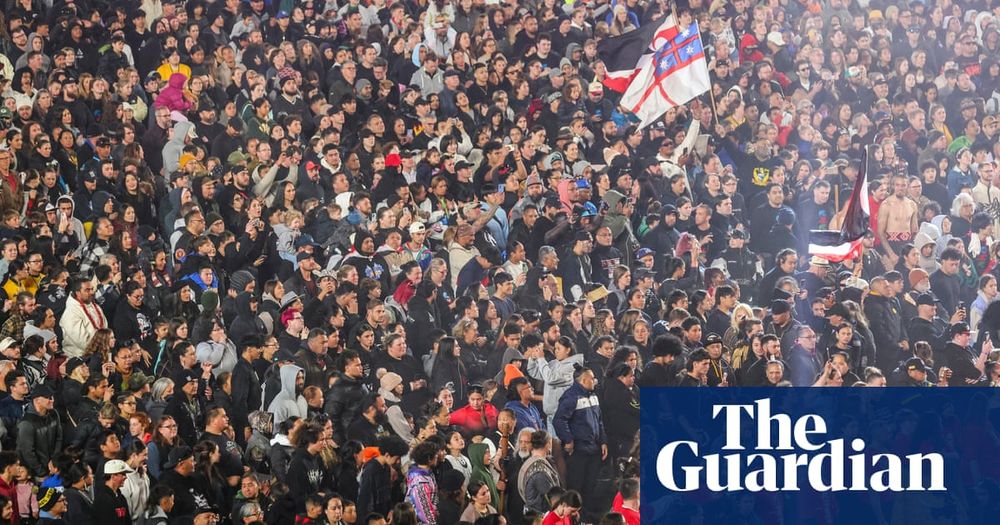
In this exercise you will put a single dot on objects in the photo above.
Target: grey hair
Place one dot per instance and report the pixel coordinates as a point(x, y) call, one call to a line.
point(160, 387)
point(545, 251)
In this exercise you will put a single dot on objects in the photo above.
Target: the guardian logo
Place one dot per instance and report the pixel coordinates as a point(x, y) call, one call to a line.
point(790, 456)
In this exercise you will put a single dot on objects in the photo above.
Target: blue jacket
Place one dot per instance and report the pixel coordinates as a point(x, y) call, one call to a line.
point(578, 420)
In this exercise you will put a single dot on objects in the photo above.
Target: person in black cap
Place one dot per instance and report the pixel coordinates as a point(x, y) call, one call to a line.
point(916, 374)
point(667, 361)
point(927, 326)
point(966, 364)
point(178, 475)
point(781, 323)
point(187, 406)
point(575, 268)
point(719, 371)
point(39, 434)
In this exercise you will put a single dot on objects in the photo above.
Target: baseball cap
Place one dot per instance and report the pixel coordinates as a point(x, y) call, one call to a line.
point(713, 339)
point(915, 363)
point(926, 299)
point(417, 227)
point(644, 252)
point(958, 328)
point(117, 466)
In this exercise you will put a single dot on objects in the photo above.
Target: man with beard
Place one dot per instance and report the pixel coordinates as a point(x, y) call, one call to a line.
point(526, 230)
point(289, 101)
point(514, 505)
point(289, 401)
point(369, 428)
point(131, 320)
point(83, 118)
point(208, 127)
point(81, 319)
point(534, 195)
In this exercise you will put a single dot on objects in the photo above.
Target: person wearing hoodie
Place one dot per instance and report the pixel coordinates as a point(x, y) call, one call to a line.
point(246, 321)
point(172, 97)
point(69, 233)
point(289, 401)
point(172, 151)
point(368, 263)
point(617, 219)
point(557, 374)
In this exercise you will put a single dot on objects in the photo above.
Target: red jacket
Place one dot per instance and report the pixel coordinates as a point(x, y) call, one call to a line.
point(10, 492)
point(472, 421)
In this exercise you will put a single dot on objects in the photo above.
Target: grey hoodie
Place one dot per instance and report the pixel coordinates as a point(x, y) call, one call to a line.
point(288, 403)
point(175, 146)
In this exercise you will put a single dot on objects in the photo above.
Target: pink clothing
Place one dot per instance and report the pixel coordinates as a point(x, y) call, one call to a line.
point(172, 96)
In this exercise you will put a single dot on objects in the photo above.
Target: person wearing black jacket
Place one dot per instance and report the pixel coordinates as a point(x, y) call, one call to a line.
point(314, 360)
point(422, 310)
point(375, 485)
point(945, 283)
point(416, 384)
point(883, 313)
point(965, 364)
point(620, 406)
point(926, 326)
point(245, 386)
point(187, 407)
point(344, 399)
point(110, 507)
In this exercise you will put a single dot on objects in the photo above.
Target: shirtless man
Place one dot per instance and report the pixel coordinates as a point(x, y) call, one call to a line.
point(897, 220)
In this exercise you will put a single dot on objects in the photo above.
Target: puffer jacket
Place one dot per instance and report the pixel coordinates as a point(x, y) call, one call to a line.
point(343, 403)
point(578, 420)
point(39, 438)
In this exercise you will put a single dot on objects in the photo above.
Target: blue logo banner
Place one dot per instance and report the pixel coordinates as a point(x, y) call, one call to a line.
point(825, 456)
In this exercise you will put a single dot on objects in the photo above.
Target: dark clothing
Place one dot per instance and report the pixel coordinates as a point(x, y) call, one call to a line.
point(621, 412)
point(887, 326)
point(375, 489)
point(343, 404)
point(110, 507)
point(947, 289)
point(962, 363)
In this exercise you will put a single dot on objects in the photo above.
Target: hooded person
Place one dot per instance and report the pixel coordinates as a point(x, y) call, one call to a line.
point(926, 236)
point(619, 223)
point(289, 401)
point(174, 148)
point(366, 261)
point(172, 96)
point(481, 470)
point(246, 321)
point(75, 237)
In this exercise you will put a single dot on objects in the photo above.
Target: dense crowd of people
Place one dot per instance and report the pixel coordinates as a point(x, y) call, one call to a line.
point(372, 261)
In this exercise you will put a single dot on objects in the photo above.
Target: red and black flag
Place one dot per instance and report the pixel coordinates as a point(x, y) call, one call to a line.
point(837, 246)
